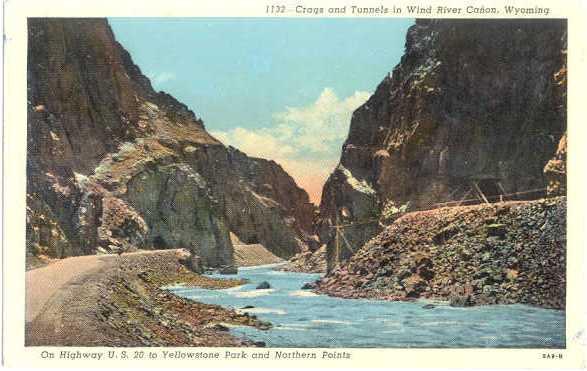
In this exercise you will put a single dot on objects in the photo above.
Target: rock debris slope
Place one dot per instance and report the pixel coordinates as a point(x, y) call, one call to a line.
point(113, 165)
point(504, 253)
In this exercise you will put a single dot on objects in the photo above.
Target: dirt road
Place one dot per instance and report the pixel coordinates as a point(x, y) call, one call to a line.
point(112, 300)
point(44, 283)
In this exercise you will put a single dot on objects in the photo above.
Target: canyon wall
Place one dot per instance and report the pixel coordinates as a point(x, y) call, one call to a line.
point(113, 164)
point(472, 103)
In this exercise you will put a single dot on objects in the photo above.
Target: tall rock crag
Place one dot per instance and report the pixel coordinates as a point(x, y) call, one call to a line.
point(472, 103)
point(112, 164)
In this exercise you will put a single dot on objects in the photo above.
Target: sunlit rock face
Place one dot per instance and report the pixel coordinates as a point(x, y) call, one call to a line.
point(471, 101)
point(114, 165)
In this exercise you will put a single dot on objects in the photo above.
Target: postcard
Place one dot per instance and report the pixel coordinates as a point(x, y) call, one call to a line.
point(285, 184)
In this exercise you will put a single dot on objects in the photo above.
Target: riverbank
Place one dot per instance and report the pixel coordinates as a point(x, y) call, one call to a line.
point(502, 253)
point(307, 261)
point(114, 300)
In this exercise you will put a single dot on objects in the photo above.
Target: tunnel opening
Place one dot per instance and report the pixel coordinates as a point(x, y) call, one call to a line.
point(159, 243)
point(490, 189)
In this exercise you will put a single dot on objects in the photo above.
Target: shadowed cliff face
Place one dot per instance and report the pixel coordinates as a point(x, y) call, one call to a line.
point(470, 101)
point(112, 164)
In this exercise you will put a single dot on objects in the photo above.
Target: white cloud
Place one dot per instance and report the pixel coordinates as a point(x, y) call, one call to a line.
point(258, 143)
point(322, 124)
point(306, 140)
point(161, 77)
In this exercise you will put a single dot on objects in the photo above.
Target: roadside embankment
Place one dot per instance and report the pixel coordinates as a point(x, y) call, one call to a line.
point(114, 300)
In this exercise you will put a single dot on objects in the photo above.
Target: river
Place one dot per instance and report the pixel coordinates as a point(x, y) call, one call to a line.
point(301, 318)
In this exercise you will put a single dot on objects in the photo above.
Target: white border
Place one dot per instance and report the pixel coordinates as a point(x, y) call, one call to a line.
point(14, 183)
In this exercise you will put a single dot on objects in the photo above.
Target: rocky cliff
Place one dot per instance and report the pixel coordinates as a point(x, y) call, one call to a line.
point(112, 164)
point(472, 104)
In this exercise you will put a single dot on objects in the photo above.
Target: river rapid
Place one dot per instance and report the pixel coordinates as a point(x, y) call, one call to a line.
point(301, 318)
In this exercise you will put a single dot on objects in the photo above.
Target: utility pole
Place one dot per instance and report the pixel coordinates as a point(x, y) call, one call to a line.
point(337, 239)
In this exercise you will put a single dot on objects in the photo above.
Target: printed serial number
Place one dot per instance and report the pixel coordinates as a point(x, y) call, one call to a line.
point(552, 356)
point(275, 9)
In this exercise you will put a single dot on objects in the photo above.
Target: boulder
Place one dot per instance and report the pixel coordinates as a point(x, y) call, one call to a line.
point(496, 230)
point(217, 327)
point(460, 301)
point(228, 269)
point(263, 286)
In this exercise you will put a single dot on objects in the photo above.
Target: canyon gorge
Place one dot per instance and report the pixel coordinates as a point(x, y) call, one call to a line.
point(451, 182)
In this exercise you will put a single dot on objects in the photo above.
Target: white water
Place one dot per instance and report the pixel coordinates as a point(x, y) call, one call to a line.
point(303, 319)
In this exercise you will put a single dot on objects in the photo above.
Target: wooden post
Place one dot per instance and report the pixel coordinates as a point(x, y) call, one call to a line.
point(347, 244)
point(454, 191)
point(480, 192)
point(337, 239)
point(502, 190)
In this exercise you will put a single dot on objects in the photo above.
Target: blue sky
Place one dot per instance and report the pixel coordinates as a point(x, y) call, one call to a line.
point(282, 89)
